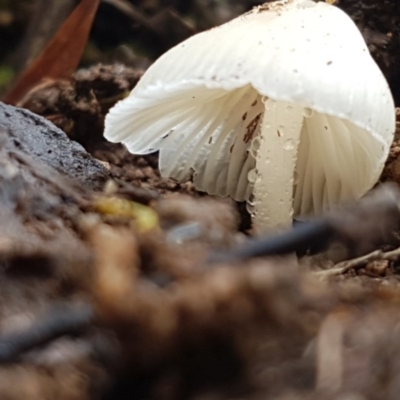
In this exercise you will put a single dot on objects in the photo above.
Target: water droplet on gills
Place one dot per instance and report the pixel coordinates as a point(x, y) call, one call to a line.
point(289, 144)
point(255, 146)
point(252, 175)
point(250, 205)
point(250, 208)
point(251, 200)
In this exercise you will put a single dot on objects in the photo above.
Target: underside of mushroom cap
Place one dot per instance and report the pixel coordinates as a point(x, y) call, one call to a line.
point(200, 104)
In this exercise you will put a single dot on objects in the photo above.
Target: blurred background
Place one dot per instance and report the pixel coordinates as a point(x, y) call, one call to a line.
point(135, 32)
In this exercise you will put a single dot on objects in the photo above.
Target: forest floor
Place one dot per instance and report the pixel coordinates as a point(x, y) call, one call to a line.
point(120, 284)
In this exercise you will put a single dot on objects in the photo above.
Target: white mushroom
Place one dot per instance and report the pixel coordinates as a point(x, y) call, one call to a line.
point(282, 107)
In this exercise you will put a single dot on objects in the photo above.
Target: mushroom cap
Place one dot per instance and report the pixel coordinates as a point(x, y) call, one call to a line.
point(201, 102)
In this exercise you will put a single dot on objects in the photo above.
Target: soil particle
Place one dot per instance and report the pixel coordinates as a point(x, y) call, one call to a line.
point(141, 171)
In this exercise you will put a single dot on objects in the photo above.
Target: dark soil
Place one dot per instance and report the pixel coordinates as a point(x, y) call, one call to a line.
point(103, 299)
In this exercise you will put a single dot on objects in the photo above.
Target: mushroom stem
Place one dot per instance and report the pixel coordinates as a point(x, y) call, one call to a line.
point(275, 165)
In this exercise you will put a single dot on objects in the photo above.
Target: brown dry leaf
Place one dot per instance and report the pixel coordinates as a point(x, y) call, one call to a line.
point(61, 56)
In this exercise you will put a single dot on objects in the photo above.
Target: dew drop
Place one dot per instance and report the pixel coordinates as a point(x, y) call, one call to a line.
point(308, 112)
point(250, 209)
point(251, 200)
point(264, 99)
point(252, 175)
point(255, 146)
point(289, 144)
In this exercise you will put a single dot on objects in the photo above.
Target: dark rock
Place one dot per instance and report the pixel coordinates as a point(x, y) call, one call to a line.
point(39, 208)
point(41, 140)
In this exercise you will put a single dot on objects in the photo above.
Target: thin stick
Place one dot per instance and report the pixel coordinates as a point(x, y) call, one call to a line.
point(132, 12)
point(61, 320)
point(46, 18)
point(359, 262)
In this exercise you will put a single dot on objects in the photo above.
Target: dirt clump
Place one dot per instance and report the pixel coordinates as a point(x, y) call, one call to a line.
point(78, 106)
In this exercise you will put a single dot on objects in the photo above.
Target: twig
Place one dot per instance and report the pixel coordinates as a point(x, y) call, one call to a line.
point(59, 321)
point(131, 11)
point(47, 17)
point(363, 226)
point(359, 262)
point(166, 25)
point(299, 238)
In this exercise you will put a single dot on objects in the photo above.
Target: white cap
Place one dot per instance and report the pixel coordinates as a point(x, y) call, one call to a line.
point(200, 104)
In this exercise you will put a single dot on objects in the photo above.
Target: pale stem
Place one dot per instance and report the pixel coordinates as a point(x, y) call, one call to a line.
point(275, 165)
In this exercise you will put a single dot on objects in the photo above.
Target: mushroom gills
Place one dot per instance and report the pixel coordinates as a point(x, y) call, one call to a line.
point(333, 163)
point(156, 119)
point(216, 154)
point(214, 137)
